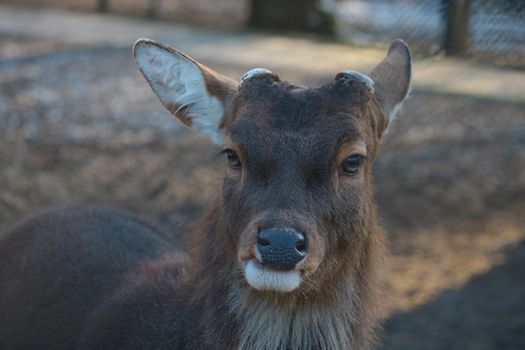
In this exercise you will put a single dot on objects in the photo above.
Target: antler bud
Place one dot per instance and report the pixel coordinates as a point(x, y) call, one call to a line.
point(254, 72)
point(355, 75)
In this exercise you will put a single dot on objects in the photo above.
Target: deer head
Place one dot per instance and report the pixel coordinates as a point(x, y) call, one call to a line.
point(297, 195)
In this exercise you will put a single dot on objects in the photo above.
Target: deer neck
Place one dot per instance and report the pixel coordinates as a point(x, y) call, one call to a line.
point(271, 321)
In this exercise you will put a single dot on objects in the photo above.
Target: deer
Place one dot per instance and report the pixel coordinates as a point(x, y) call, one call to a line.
point(289, 257)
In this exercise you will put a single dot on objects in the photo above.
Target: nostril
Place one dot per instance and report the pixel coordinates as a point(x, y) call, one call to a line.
point(281, 248)
point(301, 246)
point(262, 241)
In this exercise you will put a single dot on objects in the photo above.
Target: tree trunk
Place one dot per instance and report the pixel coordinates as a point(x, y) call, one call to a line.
point(291, 15)
point(102, 5)
point(456, 16)
point(153, 9)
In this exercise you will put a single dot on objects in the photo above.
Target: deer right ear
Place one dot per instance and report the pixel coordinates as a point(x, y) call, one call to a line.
point(195, 94)
point(392, 78)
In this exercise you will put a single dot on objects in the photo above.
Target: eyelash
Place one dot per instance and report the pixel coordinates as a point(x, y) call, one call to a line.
point(233, 158)
point(352, 164)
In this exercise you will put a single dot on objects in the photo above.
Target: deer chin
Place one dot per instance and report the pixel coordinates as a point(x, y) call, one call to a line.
point(265, 279)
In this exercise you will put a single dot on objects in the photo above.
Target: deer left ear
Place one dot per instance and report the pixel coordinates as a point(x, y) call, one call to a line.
point(392, 78)
point(192, 92)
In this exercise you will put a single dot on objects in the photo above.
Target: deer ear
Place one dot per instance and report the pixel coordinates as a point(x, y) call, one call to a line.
point(192, 92)
point(392, 78)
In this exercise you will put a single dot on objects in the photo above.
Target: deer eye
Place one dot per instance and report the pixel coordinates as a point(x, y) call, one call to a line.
point(352, 164)
point(233, 159)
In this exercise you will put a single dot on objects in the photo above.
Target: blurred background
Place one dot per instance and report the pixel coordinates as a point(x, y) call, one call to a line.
point(79, 123)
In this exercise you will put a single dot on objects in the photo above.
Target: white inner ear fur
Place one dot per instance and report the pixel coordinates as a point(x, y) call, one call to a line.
point(395, 109)
point(178, 81)
point(393, 113)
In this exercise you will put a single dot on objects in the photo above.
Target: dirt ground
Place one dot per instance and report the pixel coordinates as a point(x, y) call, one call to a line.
point(78, 123)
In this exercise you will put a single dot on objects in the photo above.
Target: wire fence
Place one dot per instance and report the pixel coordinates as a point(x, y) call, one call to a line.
point(497, 28)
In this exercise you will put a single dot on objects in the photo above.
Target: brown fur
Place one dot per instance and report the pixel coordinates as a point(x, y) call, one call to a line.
point(92, 278)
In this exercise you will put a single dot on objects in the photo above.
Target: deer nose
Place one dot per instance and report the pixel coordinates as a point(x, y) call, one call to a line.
point(281, 248)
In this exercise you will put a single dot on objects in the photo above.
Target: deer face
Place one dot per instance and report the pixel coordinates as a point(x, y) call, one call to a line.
point(297, 192)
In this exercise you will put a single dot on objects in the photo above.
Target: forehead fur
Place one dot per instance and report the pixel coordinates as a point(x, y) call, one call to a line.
point(268, 100)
